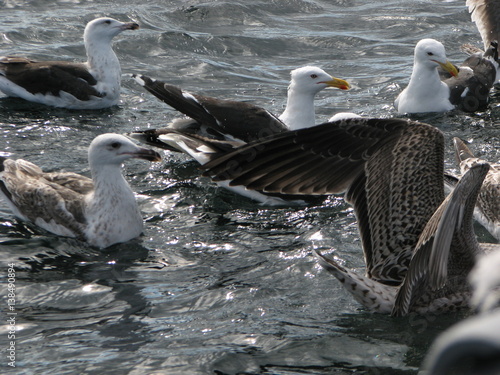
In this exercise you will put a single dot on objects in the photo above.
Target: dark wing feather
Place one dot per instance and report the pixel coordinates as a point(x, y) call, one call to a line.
point(238, 119)
point(50, 77)
point(152, 138)
point(470, 89)
point(345, 144)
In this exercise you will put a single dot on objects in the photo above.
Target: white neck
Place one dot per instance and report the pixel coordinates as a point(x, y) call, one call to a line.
point(112, 208)
point(299, 112)
point(108, 179)
point(104, 65)
point(425, 80)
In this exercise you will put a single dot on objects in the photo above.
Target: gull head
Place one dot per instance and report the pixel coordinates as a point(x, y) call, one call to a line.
point(311, 79)
point(105, 29)
point(114, 149)
point(431, 54)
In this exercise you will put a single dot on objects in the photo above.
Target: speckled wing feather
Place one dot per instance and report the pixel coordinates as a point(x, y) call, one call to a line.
point(241, 120)
point(73, 181)
point(488, 202)
point(50, 77)
point(387, 167)
point(371, 294)
point(25, 185)
point(401, 196)
point(447, 247)
point(486, 15)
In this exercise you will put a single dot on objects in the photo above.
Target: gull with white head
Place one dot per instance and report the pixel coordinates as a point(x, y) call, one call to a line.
point(101, 210)
point(466, 88)
point(91, 85)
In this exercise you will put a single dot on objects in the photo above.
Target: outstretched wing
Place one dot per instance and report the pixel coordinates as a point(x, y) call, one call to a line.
point(240, 120)
point(387, 167)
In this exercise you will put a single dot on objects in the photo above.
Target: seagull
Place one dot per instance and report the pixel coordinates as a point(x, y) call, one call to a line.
point(101, 211)
point(94, 84)
point(472, 346)
point(487, 211)
point(418, 246)
point(235, 120)
point(217, 126)
point(305, 83)
point(467, 89)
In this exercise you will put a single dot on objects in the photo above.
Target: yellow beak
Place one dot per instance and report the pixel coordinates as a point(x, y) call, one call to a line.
point(449, 67)
point(338, 83)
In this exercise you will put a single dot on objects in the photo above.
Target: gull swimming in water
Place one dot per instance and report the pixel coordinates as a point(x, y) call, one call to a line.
point(91, 85)
point(418, 246)
point(101, 211)
point(217, 126)
point(467, 89)
point(236, 120)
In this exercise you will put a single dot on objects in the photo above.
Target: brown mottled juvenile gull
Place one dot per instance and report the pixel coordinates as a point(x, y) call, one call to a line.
point(91, 85)
point(467, 89)
point(102, 210)
point(418, 247)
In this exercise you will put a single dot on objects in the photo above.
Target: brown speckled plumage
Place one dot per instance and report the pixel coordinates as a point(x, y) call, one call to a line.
point(487, 210)
point(101, 210)
point(418, 247)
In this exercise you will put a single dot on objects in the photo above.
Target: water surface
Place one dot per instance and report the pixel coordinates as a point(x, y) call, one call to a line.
point(217, 284)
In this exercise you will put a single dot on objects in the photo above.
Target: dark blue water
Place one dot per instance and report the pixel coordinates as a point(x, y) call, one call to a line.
point(217, 284)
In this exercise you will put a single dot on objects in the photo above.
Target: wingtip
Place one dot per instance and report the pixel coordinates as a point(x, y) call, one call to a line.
point(141, 79)
point(462, 152)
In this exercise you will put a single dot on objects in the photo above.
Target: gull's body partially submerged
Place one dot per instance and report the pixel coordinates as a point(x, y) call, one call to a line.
point(101, 210)
point(217, 126)
point(93, 84)
point(466, 88)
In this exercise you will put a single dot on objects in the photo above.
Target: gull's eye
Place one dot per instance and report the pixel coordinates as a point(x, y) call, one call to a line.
point(314, 76)
point(430, 54)
point(116, 144)
point(107, 22)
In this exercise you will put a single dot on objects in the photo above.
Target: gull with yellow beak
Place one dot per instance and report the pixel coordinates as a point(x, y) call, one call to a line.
point(224, 119)
point(429, 91)
point(216, 126)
